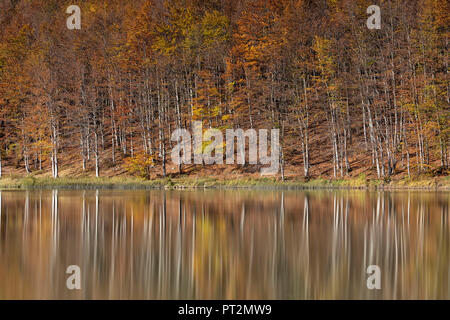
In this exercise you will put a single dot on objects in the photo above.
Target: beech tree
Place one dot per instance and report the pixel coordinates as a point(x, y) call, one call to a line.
point(346, 98)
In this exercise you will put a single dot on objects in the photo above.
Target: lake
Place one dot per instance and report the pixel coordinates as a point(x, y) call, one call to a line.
point(224, 244)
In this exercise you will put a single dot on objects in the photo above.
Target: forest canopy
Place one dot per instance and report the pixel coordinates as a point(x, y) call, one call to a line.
point(347, 100)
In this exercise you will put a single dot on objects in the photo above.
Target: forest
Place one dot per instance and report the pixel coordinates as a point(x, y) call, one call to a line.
point(104, 100)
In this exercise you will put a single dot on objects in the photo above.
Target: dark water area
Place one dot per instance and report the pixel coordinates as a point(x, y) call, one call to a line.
point(224, 244)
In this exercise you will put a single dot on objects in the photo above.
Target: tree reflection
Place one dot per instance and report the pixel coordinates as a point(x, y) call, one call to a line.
point(224, 244)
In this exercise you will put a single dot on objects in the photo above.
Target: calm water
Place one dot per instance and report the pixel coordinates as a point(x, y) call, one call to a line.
point(224, 244)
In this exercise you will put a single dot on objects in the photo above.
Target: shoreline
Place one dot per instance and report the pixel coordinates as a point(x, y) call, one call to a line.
point(193, 183)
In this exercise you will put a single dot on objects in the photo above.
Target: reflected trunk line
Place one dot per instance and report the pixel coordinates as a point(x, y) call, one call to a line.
point(305, 246)
point(243, 244)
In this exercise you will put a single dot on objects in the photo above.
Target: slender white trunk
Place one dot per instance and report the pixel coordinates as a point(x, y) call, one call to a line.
point(96, 155)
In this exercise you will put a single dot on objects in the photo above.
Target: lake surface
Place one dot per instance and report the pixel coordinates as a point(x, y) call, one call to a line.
point(224, 244)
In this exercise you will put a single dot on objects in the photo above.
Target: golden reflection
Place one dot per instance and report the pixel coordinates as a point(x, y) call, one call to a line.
point(224, 244)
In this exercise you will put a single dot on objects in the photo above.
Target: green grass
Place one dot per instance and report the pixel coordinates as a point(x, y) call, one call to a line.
point(30, 182)
point(183, 182)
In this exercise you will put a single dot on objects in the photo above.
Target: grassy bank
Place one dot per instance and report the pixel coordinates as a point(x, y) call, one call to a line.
point(188, 182)
point(31, 182)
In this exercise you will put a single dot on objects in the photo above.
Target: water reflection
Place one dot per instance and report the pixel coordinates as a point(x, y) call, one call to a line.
point(224, 244)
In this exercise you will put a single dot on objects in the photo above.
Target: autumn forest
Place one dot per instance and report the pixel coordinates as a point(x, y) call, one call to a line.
point(104, 100)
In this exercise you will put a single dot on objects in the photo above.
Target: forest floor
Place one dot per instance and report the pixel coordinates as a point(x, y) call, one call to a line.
point(362, 176)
